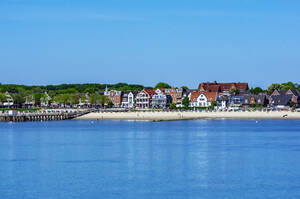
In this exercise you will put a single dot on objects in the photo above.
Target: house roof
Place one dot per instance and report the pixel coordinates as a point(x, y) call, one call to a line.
point(221, 87)
point(259, 99)
point(150, 92)
point(295, 92)
point(286, 92)
point(223, 98)
point(194, 96)
point(281, 100)
point(211, 96)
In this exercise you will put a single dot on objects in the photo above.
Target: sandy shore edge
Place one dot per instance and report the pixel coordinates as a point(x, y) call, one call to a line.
point(169, 116)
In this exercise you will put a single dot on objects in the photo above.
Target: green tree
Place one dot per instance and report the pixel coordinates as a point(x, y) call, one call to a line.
point(172, 106)
point(37, 98)
point(66, 99)
point(186, 102)
point(2, 97)
point(234, 91)
point(52, 94)
point(95, 98)
point(73, 99)
point(213, 104)
point(90, 90)
point(18, 99)
point(185, 87)
point(61, 99)
point(104, 100)
point(273, 87)
point(293, 104)
point(162, 85)
point(288, 85)
point(256, 90)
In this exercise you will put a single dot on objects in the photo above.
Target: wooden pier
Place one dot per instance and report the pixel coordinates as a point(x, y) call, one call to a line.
point(24, 117)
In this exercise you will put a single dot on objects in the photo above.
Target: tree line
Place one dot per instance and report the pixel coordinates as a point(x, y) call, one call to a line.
point(69, 88)
point(68, 93)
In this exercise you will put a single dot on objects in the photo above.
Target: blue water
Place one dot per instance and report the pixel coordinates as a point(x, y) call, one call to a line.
point(118, 159)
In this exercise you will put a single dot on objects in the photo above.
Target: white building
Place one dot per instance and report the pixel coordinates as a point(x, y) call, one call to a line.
point(128, 99)
point(144, 98)
point(202, 99)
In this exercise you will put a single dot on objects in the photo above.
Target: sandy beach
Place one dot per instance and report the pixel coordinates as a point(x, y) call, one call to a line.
point(169, 116)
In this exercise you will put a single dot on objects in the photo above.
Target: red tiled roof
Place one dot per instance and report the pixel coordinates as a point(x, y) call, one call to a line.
point(211, 96)
point(194, 96)
point(150, 92)
point(220, 87)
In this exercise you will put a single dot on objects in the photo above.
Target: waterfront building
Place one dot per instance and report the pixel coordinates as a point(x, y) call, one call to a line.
point(128, 99)
point(176, 94)
point(281, 101)
point(222, 102)
point(202, 99)
point(222, 88)
point(255, 100)
point(115, 97)
point(144, 98)
point(294, 93)
point(161, 99)
point(236, 101)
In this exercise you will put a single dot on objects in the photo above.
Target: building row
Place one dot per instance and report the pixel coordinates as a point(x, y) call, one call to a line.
point(207, 95)
point(146, 98)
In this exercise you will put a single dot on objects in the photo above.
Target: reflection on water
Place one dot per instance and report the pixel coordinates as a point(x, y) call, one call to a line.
point(182, 159)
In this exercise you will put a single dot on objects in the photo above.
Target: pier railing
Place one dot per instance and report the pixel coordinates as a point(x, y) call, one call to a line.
point(23, 117)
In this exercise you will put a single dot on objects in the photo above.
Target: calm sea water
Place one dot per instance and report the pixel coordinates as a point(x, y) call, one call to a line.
point(119, 159)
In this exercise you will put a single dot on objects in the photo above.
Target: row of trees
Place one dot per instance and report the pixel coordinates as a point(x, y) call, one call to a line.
point(276, 86)
point(76, 88)
point(69, 88)
point(65, 99)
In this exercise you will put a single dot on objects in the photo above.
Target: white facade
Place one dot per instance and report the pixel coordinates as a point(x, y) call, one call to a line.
point(143, 100)
point(160, 99)
point(200, 102)
point(128, 100)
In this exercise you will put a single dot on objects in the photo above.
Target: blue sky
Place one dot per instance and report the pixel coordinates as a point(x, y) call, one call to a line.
point(180, 42)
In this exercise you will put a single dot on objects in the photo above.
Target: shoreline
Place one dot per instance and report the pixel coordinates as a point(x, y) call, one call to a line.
point(174, 116)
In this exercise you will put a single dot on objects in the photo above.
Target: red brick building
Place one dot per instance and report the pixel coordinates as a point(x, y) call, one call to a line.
point(222, 87)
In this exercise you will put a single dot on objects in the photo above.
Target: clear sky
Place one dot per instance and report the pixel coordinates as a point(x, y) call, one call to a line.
point(181, 42)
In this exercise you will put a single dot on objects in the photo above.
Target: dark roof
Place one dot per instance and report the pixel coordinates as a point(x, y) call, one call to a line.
point(223, 98)
point(259, 99)
point(295, 92)
point(286, 92)
point(281, 100)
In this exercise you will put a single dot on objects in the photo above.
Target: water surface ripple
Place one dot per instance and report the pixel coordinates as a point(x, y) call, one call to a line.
point(179, 159)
